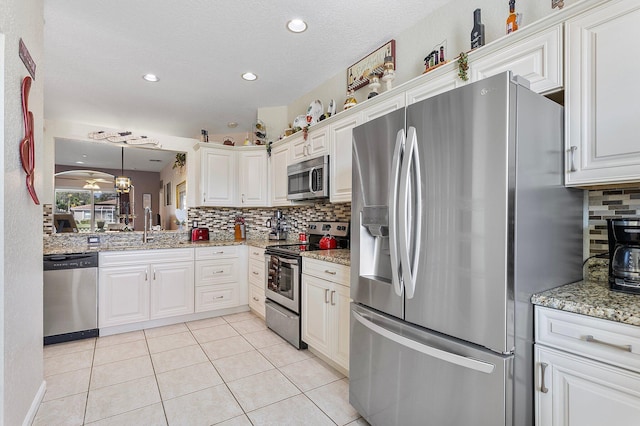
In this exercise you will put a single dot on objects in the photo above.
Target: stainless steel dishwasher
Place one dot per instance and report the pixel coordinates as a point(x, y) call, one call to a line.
point(70, 297)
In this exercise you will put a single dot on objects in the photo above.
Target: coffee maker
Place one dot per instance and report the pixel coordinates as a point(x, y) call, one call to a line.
point(624, 255)
point(278, 225)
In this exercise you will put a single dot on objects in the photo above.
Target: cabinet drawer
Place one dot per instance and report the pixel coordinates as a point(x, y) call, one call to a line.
point(221, 271)
point(256, 272)
point(216, 252)
point(607, 341)
point(326, 270)
point(143, 257)
point(256, 253)
point(256, 299)
point(212, 297)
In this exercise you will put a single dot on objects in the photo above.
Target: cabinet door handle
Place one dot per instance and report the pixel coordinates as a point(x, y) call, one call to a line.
point(219, 297)
point(326, 295)
point(255, 253)
point(591, 339)
point(333, 301)
point(204, 197)
point(242, 198)
point(154, 274)
point(256, 299)
point(543, 367)
point(572, 155)
point(146, 276)
point(326, 271)
point(255, 273)
point(218, 252)
point(219, 272)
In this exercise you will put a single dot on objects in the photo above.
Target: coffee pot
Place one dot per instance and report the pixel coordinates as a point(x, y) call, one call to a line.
point(278, 225)
point(624, 255)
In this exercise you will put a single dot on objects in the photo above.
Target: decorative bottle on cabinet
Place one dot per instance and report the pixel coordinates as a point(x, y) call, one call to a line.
point(477, 33)
point(513, 19)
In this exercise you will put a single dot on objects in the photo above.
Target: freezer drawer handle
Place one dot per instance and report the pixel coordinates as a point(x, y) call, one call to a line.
point(543, 367)
point(591, 339)
point(463, 361)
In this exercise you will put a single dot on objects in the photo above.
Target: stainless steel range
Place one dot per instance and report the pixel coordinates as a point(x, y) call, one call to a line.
point(284, 277)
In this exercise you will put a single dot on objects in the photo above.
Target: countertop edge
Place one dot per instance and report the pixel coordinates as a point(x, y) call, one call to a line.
point(594, 299)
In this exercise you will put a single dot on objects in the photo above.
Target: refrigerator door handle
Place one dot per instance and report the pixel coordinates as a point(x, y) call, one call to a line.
point(410, 266)
point(463, 361)
point(393, 213)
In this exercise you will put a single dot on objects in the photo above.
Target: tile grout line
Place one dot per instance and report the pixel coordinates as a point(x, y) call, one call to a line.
point(155, 376)
point(86, 402)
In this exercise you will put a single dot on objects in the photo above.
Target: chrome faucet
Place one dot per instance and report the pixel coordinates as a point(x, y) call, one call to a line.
point(148, 221)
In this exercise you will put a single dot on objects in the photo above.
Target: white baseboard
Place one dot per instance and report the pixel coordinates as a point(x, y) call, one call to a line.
point(31, 414)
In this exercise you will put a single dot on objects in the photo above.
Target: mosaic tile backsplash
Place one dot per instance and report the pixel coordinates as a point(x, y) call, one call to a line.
point(222, 219)
point(609, 204)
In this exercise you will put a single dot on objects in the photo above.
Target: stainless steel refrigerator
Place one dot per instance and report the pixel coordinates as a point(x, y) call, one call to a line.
point(459, 214)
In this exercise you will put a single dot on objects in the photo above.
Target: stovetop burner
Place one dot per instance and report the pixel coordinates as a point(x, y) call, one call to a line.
point(316, 230)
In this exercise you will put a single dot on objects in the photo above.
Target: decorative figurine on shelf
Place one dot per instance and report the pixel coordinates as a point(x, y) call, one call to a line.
point(389, 73)
point(374, 85)
point(204, 135)
point(350, 101)
point(477, 33)
point(557, 3)
point(463, 67)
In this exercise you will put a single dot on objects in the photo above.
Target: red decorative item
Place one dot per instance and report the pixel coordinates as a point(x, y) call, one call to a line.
point(328, 242)
point(27, 144)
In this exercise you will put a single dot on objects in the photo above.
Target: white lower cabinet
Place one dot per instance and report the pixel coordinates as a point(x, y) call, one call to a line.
point(219, 278)
point(325, 309)
point(256, 280)
point(587, 370)
point(141, 285)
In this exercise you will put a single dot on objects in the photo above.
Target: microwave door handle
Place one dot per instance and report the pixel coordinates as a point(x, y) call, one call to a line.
point(393, 213)
point(313, 169)
point(410, 266)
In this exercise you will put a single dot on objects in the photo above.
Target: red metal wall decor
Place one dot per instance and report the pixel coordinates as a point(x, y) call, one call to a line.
point(27, 144)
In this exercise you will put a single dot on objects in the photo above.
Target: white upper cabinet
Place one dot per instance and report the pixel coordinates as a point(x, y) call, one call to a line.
point(279, 181)
point(439, 83)
point(218, 173)
point(602, 98)
point(253, 191)
point(340, 140)
point(315, 145)
point(233, 177)
point(383, 107)
point(537, 58)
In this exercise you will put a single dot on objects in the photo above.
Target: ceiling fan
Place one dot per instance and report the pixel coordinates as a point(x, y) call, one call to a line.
point(93, 183)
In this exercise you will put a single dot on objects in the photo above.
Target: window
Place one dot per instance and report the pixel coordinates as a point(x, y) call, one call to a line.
point(92, 210)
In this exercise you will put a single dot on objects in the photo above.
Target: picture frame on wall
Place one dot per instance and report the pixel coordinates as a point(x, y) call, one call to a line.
point(373, 63)
point(167, 194)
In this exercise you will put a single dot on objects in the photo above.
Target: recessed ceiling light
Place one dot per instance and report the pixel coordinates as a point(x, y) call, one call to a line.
point(249, 76)
point(296, 25)
point(151, 77)
point(232, 124)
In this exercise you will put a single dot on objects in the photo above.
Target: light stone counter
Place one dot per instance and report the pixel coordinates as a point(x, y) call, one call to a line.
point(592, 298)
point(340, 256)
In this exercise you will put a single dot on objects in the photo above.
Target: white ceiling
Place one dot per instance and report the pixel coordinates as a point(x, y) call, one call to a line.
point(96, 52)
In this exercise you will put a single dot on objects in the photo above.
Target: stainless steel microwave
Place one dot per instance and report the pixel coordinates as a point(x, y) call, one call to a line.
point(308, 179)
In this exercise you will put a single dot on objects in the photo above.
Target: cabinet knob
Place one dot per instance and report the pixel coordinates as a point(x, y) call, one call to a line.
point(256, 299)
point(255, 273)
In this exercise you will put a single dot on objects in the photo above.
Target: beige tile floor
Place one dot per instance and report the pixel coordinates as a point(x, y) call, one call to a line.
point(228, 370)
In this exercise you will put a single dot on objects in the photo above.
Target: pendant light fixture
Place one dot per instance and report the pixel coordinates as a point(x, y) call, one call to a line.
point(123, 183)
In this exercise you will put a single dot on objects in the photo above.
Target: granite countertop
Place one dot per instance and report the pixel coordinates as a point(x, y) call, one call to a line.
point(592, 298)
point(59, 247)
point(339, 256)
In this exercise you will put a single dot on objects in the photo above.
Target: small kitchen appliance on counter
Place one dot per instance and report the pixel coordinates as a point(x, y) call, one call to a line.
point(278, 225)
point(284, 276)
point(200, 234)
point(624, 255)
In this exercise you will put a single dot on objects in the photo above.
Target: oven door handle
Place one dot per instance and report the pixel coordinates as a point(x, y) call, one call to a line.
point(289, 261)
